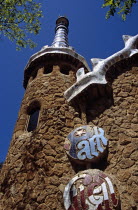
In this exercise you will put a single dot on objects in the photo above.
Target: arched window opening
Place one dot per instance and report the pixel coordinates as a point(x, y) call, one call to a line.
point(48, 69)
point(33, 117)
point(34, 74)
point(65, 69)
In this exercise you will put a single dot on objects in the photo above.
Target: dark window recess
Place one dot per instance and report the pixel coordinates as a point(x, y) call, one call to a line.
point(48, 69)
point(34, 74)
point(65, 69)
point(33, 120)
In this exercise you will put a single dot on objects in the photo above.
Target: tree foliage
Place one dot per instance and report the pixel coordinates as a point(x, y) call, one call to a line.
point(121, 7)
point(19, 19)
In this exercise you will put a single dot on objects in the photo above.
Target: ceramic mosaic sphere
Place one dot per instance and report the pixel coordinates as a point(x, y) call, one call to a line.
point(86, 144)
point(90, 190)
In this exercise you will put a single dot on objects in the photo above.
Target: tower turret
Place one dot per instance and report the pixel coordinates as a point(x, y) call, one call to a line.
point(58, 51)
point(36, 167)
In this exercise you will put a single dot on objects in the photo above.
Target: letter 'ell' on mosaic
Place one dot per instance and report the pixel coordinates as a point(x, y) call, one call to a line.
point(90, 190)
point(86, 144)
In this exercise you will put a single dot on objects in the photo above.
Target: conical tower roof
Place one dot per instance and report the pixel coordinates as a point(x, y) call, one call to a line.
point(60, 47)
point(61, 33)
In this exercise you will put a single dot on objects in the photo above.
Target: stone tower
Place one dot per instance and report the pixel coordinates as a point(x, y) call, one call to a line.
point(75, 140)
point(36, 165)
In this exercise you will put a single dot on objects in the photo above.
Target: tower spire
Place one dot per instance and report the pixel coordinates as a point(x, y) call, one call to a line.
point(61, 33)
point(59, 48)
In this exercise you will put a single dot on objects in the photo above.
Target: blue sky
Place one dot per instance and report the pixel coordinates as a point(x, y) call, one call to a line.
point(90, 34)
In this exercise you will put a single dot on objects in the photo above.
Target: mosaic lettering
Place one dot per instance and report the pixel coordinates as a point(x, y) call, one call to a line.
point(91, 189)
point(86, 143)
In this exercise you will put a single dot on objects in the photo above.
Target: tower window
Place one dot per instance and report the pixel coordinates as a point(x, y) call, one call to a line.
point(34, 74)
point(33, 119)
point(33, 115)
point(48, 69)
point(65, 69)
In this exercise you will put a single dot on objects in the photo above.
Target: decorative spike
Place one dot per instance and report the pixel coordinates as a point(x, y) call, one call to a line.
point(126, 38)
point(95, 61)
point(134, 51)
point(61, 30)
point(80, 73)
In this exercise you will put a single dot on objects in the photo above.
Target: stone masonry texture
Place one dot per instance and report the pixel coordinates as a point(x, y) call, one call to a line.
point(37, 168)
point(119, 119)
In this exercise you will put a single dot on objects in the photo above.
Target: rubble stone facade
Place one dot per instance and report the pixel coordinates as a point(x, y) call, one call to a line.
point(37, 168)
point(120, 122)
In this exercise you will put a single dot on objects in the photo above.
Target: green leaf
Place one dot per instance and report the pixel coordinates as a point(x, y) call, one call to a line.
point(18, 19)
point(121, 7)
point(108, 3)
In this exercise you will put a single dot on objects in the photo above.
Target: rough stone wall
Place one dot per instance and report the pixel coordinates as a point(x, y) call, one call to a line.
point(36, 167)
point(120, 122)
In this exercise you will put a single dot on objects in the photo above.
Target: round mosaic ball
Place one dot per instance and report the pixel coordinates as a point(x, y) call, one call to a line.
point(86, 144)
point(91, 189)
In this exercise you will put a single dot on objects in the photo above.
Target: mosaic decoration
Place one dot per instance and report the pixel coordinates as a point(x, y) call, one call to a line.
point(86, 144)
point(91, 190)
point(100, 67)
